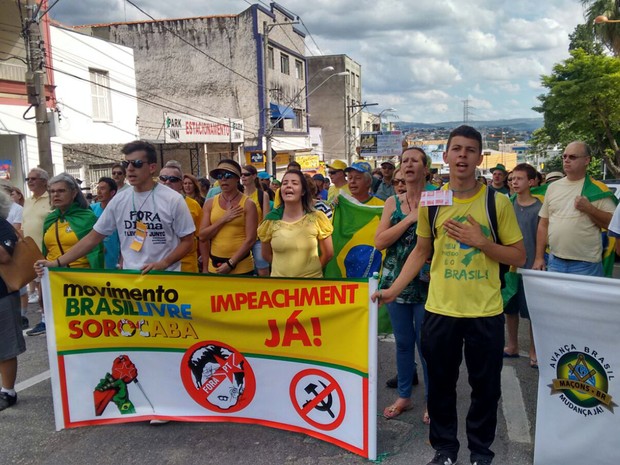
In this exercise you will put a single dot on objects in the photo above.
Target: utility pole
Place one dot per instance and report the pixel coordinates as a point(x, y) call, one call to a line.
point(268, 127)
point(35, 84)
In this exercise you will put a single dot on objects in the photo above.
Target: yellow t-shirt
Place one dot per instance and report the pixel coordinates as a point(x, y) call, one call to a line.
point(259, 206)
point(189, 263)
point(334, 191)
point(295, 245)
point(35, 211)
point(67, 239)
point(464, 281)
point(230, 237)
point(374, 202)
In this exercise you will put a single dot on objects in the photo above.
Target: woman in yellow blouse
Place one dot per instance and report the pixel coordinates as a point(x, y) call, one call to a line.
point(295, 233)
point(230, 223)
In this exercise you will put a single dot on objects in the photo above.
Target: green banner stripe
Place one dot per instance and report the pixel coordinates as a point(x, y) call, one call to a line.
point(248, 355)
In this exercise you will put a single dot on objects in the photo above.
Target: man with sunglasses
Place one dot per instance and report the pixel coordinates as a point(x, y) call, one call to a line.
point(335, 170)
point(575, 210)
point(171, 176)
point(118, 174)
point(154, 224)
point(385, 188)
point(36, 209)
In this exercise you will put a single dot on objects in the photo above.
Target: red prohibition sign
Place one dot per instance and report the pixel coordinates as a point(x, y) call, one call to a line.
point(305, 410)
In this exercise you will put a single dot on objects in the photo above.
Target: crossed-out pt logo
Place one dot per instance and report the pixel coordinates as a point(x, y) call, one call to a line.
point(218, 377)
point(582, 380)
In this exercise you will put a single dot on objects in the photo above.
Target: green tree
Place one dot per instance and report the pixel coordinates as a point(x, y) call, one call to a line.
point(583, 103)
point(607, 33)
point(583, 37)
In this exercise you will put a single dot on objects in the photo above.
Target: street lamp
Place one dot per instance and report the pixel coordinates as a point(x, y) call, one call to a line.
point(604, 19)
point(381, 114)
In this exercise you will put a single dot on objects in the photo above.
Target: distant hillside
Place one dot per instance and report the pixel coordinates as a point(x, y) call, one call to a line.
point(516, 124)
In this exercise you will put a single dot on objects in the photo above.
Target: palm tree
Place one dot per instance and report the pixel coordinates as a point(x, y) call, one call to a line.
point(607, 33)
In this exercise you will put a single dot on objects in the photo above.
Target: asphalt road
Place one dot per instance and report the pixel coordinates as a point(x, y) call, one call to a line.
point(29, 436)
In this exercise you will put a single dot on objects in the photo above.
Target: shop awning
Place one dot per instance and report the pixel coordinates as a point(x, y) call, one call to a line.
point(281, 111)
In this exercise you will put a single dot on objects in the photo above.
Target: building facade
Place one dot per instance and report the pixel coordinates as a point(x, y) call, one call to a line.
point(215, 69)
point(336, 106)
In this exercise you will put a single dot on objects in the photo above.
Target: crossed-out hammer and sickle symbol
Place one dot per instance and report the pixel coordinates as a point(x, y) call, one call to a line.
point(324, 405)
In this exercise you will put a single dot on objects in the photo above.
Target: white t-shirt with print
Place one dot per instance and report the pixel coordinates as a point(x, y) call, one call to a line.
point(162, 210)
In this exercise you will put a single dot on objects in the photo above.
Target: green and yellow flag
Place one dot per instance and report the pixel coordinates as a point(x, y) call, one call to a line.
point(355, 255)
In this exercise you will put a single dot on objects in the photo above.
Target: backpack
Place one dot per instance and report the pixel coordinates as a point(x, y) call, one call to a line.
point(491, 217)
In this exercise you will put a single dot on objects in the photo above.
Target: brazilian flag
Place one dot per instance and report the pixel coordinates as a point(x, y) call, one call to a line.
point(355, 255)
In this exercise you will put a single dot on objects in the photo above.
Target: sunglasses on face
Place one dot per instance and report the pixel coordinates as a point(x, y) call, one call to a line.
point(395, 182)
point(221, 176)
point(245, 175)
point(117, 173)
point(571, 157)
point(164, 178)
point(331, 173)
point(135, 163)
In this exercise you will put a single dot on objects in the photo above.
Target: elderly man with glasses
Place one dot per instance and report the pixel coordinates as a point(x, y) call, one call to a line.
point(36, 209)
point(575, 210)
point(171, 175)
point(119, 173)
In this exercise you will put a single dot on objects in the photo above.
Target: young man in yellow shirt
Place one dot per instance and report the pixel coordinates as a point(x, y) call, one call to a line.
point(464, 306)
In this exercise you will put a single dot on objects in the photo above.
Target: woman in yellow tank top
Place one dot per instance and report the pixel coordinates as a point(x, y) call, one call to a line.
point(229, 223)
point(253, 189)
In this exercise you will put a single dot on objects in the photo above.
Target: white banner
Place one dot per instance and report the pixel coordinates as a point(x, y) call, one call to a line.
point(575, 321)
point(208, 129)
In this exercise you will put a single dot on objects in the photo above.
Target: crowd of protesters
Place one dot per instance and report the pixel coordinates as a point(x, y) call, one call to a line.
point(246, 222)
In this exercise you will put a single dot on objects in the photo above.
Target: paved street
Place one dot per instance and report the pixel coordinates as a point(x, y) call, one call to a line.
point(30, 438)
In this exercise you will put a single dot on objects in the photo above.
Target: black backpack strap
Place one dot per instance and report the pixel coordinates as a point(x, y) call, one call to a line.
point(492, 215)
point(432, 218)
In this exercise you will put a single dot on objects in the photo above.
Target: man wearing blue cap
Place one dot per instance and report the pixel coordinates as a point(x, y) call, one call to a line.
point(359, 175)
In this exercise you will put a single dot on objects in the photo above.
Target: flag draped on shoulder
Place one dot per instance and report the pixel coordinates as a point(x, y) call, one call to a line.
point(355, 255)
point(595, 190)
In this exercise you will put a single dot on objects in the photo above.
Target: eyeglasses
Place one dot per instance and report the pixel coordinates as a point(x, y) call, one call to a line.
point(135, 163)
point(572, 157)
point(117, 173)
point(227, 175)
point(331, 173)
point(164, 178)
point(395, 182)
point(57, 191)
point(245, 175)
point(32, 179)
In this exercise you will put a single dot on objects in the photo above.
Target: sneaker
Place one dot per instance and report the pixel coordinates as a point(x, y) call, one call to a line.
point(441, 459)
point(482, 462)
point(33, 298)
point(37, 330)
point(7, 400)
point(25, 323)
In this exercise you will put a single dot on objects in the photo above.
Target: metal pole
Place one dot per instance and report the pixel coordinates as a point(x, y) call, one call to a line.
point(36, 83)
point(268, 127)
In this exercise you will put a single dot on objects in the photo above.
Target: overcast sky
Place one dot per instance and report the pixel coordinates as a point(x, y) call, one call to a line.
point(421, 57)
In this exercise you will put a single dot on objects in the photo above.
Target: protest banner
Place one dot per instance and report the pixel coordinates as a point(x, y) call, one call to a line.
point(294, 354)
point(575, 320)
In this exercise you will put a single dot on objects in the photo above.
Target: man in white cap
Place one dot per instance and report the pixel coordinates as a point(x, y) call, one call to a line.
point(386, 189)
